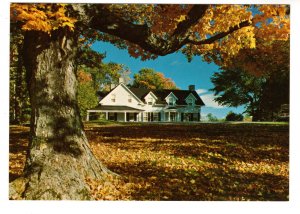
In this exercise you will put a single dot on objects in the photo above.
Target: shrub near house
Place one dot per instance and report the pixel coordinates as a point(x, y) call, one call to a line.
point(231, 116)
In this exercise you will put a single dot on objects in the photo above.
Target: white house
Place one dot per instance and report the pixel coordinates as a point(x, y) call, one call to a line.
point(139, 104)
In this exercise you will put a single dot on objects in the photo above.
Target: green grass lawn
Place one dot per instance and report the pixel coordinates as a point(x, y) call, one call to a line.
point(198, 161)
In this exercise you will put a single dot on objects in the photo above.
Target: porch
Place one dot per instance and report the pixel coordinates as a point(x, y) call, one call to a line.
point(173, 114)
point(115, 113)
point(130, 114)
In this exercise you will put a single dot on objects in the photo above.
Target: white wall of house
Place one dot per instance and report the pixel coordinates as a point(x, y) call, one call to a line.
point(121, 96)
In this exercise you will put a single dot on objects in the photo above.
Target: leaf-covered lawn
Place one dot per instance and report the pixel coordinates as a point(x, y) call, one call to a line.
point(185, 162)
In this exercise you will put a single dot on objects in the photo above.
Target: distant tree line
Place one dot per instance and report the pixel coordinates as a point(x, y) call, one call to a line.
point(231, 116)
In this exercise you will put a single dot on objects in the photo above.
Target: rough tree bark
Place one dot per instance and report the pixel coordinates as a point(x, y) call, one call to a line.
point(59, 157)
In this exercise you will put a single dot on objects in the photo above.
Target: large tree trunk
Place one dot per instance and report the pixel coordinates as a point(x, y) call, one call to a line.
point(59, 157)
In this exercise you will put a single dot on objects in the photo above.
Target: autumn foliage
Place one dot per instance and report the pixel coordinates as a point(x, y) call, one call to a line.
point(217, 35)
point(84, 77)
point(150, 79)
point(42, 17)
point(183, 162)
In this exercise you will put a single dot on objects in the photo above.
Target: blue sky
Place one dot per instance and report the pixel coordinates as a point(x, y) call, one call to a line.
point(176, 67)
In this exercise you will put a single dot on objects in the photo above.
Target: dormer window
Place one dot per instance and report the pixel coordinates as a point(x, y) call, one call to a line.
point(150, 101)
point(171, 101)
point(113, 98)
point(150, 98)
point(190, 102)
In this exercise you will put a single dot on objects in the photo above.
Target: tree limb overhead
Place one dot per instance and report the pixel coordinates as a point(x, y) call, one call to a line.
point(102, 19)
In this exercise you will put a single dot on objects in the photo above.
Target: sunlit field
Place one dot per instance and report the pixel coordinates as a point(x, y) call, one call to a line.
point(221, 161)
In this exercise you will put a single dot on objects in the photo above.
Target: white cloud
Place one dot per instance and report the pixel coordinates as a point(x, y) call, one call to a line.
point(201, 91)
point(208, 100)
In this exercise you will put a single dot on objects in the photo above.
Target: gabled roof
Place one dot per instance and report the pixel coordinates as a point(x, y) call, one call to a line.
point(140, 92)
point(173, 95)
point(191, 95)
point(127, 89)
point(151, 94)
point(162, 94)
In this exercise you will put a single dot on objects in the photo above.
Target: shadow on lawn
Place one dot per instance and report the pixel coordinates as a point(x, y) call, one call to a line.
point(208, 150)
point(218, 144)
point(241, 143)
point(219, 184)
point(192, 130)
point(220, 153)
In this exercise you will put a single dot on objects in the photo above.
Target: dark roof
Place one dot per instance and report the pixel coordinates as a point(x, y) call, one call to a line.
point(162, 94)
point(115, 108)
point(102, 93)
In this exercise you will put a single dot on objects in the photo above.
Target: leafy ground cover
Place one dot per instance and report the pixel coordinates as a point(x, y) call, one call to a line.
point(220, 161)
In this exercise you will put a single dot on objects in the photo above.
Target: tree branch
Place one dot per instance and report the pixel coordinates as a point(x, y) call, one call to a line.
point(193, 16)
point(107, 22)
point(104, 20)
point(220, 35)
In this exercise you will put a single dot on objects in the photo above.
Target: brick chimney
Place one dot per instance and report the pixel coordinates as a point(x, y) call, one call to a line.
point(191, 87)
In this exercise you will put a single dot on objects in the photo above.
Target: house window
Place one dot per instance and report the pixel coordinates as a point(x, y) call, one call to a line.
point(145, 116)
point(190, 102)
point(150, 101)
point(129, 98)
point(171, 101)
point(113, 98)
point(155, 116)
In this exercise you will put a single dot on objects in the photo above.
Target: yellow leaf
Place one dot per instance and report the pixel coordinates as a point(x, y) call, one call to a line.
point(69, 24)
point(252, 43)
point(181, 18)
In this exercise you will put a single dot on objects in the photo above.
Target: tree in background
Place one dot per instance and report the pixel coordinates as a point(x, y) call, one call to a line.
point(110, 74)
point(86, 93)
point(258, 79)
point(60, 159)
point(19, 110)
point(231, 116)
point(149, 78)
point(234, 87)
point(211, 117)
point(276, 90)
